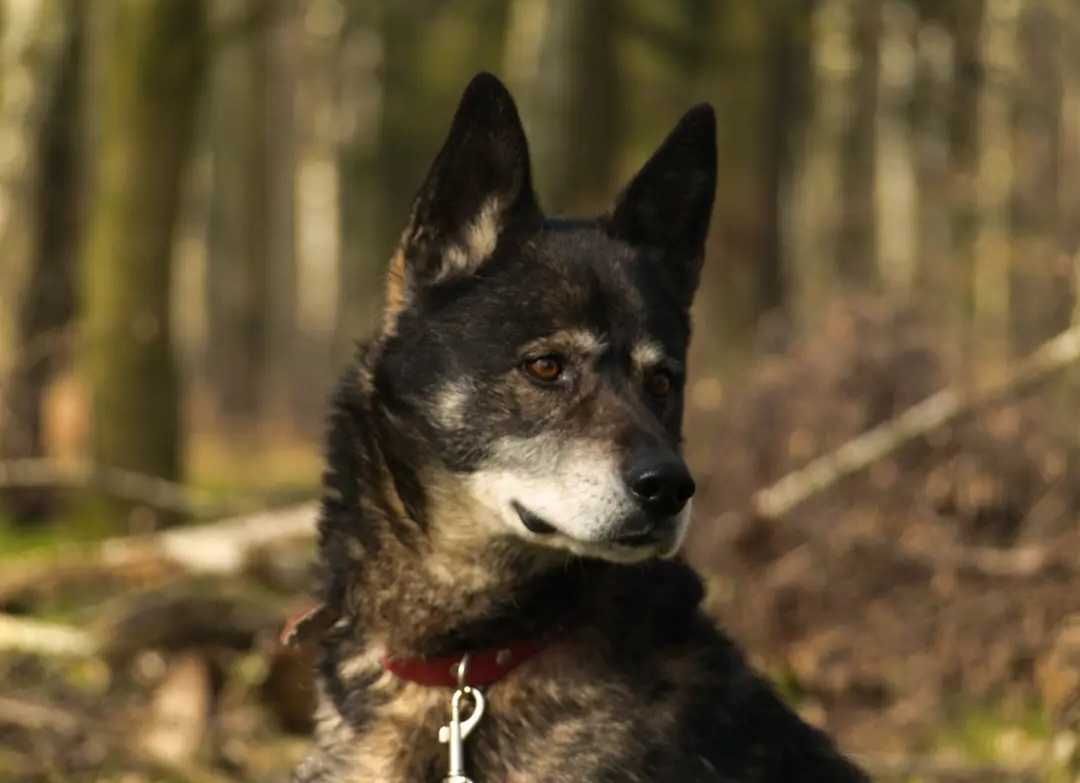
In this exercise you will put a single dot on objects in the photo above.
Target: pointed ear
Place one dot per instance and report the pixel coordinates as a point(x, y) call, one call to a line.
point(479, 185)
point(668, 204)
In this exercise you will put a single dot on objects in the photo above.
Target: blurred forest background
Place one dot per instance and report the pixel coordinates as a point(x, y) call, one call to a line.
point(197, 200)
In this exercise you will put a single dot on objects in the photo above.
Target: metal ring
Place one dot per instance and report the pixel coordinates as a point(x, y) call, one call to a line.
point(462, 671)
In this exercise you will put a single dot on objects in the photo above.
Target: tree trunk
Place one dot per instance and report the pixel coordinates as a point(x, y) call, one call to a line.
point(1040, 277)
point(237, 274)
point(41, 197)
point(936, 268)
point(1069, 195)
point(896, 223)
point(285, 387)
point(816, 205)
point(760, 74)
point(575, 106)
point(995, 181)
point(857, 259)
point(150, 59)
point(362, 262)
point(969, 73)
point(785, 119)
point(428, 51)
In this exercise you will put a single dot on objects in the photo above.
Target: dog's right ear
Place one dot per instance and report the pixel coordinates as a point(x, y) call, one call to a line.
point(668, 203)
point(479, 185)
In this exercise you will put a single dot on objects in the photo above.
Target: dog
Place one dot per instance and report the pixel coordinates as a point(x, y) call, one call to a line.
point(504, 496)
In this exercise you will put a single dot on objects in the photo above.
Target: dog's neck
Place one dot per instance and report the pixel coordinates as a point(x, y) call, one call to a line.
point(403, 587)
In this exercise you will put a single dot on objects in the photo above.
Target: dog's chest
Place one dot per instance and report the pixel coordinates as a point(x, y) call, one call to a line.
point(540, 731)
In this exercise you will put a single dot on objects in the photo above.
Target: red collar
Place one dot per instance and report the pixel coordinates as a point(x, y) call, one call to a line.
point(484, 667)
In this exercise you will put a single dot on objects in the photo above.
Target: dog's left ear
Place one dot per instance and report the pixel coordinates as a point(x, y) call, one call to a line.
point(479, 186)
point(667, 206)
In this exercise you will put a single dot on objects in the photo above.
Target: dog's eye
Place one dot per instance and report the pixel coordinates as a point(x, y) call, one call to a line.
point(546, 369)
point(660, 383)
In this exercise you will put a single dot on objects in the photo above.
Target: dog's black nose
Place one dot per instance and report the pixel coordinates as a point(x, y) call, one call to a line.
point(662, 484)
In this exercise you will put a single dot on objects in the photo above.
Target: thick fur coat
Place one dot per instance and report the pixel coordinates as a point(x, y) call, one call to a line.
point(503, 464)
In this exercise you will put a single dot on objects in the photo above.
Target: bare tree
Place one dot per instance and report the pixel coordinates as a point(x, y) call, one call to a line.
point(237, 275)
point(38, 196)
point(575, 104)
point(857, 252)
point(1040, 280)
point(150, 59)
point(965, 22)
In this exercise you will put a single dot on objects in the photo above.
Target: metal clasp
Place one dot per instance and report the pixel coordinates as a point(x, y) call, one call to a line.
point(457, 731)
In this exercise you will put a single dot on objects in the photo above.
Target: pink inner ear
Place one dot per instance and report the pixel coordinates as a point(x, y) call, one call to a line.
point(307, 625)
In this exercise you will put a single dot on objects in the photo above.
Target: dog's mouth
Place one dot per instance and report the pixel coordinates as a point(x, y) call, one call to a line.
point(532, 522)
point(646, 536)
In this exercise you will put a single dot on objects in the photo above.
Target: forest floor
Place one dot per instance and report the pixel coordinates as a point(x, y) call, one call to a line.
point(920, 611)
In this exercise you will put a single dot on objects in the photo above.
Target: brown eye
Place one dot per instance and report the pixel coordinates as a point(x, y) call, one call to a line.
point(546, 369)
point(660, 384)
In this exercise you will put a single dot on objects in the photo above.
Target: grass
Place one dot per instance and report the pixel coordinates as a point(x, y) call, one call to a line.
point(1007, 736)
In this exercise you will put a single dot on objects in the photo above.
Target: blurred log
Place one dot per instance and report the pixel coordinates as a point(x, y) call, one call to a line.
point(36, 716)
point(932, 413)
point(190, 614)
point(221, 548)
point(122, 484)
point(179, 712)
point(20, 634)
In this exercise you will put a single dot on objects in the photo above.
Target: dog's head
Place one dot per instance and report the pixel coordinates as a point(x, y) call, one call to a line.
point(536, 366)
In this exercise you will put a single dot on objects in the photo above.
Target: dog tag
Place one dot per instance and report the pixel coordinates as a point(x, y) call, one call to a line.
point(455, 733)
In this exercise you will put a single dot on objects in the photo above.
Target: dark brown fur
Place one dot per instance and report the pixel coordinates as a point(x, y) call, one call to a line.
point(637, 684)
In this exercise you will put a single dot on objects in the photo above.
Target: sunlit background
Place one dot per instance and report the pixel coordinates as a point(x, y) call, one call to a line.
point(197, 201)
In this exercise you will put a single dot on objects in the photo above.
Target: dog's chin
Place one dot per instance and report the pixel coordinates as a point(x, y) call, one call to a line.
point(628, 549)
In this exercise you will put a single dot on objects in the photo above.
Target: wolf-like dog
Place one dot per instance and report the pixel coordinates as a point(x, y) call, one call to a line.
point(504, 473)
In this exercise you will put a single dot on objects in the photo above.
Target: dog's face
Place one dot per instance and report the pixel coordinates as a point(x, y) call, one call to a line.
point(539, 364)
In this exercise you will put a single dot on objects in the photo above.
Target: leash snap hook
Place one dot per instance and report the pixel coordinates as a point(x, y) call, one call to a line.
point(457, 731)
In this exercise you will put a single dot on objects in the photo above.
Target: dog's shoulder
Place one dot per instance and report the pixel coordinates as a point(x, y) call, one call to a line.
point(726, 720)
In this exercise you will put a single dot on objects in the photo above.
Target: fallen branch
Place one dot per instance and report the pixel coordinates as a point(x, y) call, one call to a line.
point(223, 547)
point(25, 635)
point(120, 483)
point(219, 548)
point(36, 716)
point(936, 411)
point(170, 617)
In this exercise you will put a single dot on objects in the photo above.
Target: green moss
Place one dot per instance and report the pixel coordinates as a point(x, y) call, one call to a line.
point(996, 734)
point(789, 686)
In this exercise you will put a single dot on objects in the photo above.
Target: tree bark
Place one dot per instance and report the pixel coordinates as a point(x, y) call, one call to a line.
point(1040, 278)
point(426, 52)
point(237, 275)
point(969, 73)
point(576, 106)
point(760, 74)
point(286, 390)
point(151, 59)
point(363, 254)
point(935, 274)
point(857, 259)
point(39, 236)
point(995, 181)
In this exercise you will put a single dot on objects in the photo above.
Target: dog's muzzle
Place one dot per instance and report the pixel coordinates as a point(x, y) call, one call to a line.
point(661, 484)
